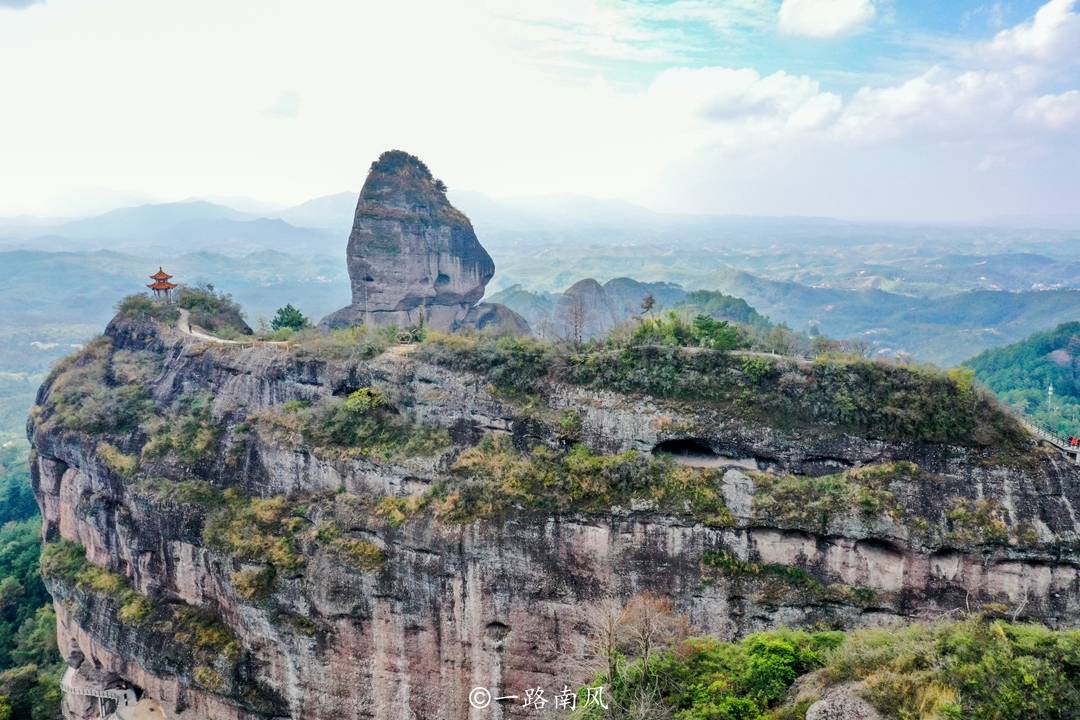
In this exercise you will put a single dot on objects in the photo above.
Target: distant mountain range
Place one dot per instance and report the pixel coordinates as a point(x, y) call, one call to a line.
point(943, 330)
point(939, 293)
point(322, 224)
point(194, 226)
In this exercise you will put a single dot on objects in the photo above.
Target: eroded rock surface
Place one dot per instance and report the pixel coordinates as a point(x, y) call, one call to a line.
point(502, 601)
point(411, 254)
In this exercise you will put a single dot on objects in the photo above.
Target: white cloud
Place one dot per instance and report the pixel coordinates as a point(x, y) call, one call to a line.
point(1053, 111)
point(1053, 33)
point(738, 109)
point(824, 18)
point(941, 102)
point(510, 111)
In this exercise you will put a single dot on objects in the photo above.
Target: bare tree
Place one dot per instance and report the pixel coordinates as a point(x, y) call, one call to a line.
point(647, 303)
point(577, 316)
point(545, 329)
point(641, 628)
point(652, 624)
point(608, 635)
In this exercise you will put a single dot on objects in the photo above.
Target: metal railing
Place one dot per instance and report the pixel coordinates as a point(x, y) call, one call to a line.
point(1049, 436)
point(122, 698)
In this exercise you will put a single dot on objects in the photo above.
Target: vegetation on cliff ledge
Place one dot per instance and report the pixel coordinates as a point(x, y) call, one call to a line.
point(97, 392)
point(279, 535)
point(494, 477)
point(208, 309)
point(363, 424)
point(872, 398)
point(811, 502)
point(209, 644)
point(976, 668)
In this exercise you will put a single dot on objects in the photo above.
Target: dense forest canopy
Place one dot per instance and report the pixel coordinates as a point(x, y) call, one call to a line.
point(1021, 375)
point(30, 665)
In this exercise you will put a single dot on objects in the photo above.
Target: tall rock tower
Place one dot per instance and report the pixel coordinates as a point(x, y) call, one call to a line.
point(411, 254)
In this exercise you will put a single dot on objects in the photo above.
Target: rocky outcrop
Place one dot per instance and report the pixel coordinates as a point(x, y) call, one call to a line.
point(503, 601)
point(842, 702)
point(587, 308)
point(585, 311)
point(412, 256)
point(493, 318)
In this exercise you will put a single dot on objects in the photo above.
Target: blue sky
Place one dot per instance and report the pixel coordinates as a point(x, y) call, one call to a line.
point(903, 35)
point(870, 109)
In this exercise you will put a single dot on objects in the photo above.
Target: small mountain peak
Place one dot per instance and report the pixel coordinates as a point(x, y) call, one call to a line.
point(399, 162)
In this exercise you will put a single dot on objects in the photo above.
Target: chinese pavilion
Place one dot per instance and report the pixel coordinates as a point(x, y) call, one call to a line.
point(161, 285)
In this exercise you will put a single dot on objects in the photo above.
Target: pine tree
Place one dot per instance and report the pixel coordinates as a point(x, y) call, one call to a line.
point(289, 317)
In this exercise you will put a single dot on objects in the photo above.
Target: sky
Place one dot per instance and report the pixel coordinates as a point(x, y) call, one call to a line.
point(907, 110)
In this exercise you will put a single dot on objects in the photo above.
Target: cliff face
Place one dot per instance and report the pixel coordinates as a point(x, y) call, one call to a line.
point(226, 534)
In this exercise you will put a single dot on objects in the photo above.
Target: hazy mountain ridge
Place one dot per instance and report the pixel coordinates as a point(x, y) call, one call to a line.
point(904, 289)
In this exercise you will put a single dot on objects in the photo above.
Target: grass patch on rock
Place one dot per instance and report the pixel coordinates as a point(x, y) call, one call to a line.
point(494, 477)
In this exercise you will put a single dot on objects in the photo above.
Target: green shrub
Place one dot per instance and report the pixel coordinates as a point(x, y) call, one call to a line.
point(253, 583)
point(135, 367)
point(66, 561)
point(209, 678)
point(359, 554)
point(188, 432)
point(362, 424)
point(203, 633)
point(977, 522)
point(974, 669)
point(493, 477)
point(514, 365)
point(212, 310)
point(184, 492)
point(354, 343)
point(811, 502)
point(142, 307)
point(257, 530)
point(289, 318)
point(701, 331)
point(136, 610)
point(364, 400)
point(707, 679)
point(977, 668)
point(121, 464)
point(84, 395)
point(396, 510)
point(570, 424)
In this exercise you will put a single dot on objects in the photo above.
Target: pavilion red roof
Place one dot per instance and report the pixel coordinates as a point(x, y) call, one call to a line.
point(160, 275)
point(162, 285)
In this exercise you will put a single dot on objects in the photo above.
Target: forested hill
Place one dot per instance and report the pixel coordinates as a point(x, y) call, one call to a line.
point(29, 662)
point(1021, 373)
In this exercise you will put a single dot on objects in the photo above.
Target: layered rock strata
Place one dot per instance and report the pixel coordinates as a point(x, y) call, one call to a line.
point(502, 601)
point(412, 256)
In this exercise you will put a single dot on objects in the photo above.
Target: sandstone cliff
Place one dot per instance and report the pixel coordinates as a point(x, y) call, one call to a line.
point(350, 531)
point(411, 254)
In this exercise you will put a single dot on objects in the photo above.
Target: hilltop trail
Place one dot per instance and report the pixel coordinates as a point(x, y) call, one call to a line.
point(183, 324)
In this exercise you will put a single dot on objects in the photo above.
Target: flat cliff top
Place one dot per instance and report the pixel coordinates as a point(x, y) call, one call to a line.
point(265, 510)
